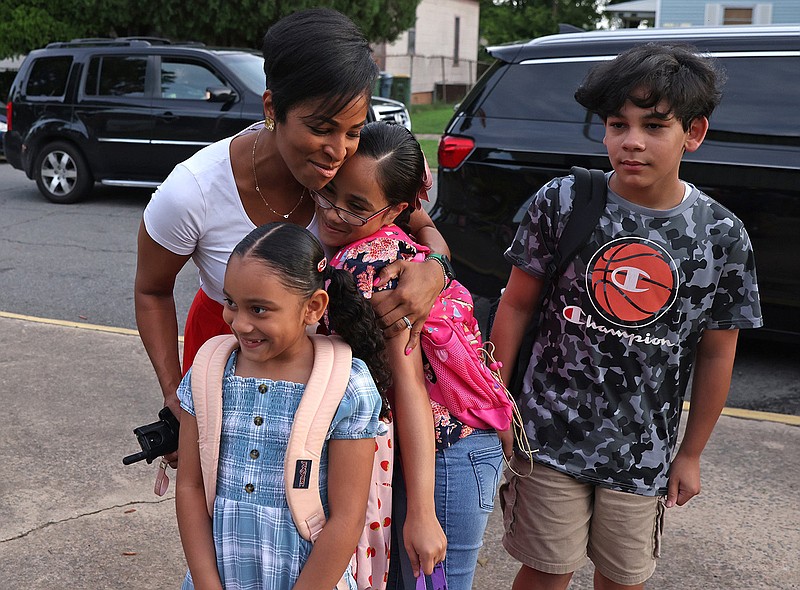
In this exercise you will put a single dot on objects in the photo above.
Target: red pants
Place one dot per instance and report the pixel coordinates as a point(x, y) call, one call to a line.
point(203, 322)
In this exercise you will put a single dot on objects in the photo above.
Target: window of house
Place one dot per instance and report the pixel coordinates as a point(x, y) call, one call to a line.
point(737, 16)
point(412, 41)
point(116, 76)
point(741, 13)
point(456, 41)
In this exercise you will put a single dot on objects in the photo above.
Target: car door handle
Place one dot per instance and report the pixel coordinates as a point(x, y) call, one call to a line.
point(168, 116)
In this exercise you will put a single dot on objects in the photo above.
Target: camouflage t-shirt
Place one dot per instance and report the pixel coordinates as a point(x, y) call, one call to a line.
point(603, 394)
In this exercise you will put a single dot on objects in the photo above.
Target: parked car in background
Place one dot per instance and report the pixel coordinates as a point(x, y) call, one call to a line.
point(124, 112)
point(520, 126)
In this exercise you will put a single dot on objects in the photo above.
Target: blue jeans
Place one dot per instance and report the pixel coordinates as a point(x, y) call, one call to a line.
point(467, 476)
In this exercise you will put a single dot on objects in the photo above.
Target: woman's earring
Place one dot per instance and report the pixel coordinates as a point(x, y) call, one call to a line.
point(269, 124)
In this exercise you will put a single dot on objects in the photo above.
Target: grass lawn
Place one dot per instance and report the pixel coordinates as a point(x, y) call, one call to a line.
point(430, 118)
point(430, 148)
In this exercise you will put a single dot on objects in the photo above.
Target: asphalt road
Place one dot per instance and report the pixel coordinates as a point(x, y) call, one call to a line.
point(77, 263)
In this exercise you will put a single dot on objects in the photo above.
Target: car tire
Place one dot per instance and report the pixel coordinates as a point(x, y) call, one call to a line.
point(62, 174)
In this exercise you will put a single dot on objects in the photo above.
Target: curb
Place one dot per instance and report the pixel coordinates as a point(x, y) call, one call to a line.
point(744, 414)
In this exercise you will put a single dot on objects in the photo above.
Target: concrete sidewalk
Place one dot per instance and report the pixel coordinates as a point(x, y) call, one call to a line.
point(73, 517)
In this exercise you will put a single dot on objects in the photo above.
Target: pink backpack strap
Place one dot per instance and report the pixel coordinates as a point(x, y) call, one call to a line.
point(207, 371)
point(321, 398)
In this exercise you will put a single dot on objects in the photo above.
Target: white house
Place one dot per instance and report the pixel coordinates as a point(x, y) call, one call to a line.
point(693, 13)
point(439, 54)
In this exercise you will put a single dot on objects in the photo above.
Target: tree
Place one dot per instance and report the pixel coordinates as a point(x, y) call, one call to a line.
point(28, 24)
point(503, 21)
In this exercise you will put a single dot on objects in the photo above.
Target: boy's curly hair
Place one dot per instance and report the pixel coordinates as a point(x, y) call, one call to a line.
point(688, 82)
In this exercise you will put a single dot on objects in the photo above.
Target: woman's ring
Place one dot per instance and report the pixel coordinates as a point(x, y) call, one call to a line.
point(407, 322)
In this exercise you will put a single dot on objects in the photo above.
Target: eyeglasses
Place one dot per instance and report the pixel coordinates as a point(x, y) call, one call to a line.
point(347, 216)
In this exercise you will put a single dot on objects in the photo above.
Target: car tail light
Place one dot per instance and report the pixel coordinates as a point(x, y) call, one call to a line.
point(454, 150)
point(8, 116)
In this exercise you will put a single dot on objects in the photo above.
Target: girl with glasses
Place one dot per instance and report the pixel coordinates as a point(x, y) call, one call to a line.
point(448, 472)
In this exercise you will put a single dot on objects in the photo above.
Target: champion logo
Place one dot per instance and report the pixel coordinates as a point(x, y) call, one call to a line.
point(632, 282)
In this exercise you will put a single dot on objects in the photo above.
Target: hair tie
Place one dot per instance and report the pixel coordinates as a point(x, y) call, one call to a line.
point(427, 184)
point(322, 264)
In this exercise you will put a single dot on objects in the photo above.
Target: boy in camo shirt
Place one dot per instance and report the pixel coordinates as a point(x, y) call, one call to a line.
point(662, 286)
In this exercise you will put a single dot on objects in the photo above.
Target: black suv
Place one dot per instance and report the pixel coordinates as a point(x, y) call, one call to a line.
point(520, 126)
point(124, 112)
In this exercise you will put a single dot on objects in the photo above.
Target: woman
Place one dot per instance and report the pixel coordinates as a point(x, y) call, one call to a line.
point(320, 73)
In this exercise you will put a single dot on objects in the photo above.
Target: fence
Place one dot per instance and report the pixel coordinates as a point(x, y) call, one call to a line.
point(435, 78)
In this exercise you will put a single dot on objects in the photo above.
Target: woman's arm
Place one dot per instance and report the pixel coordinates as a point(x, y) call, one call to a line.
point(425, 232)
point(349, 473)
point(418, 288)
point(156, 270)
point(425, 542)
point(710, 384)
point(194, 523)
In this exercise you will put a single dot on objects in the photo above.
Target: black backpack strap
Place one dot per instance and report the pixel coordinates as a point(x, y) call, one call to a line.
point(589, 202)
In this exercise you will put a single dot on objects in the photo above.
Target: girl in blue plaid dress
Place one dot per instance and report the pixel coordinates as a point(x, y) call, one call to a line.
point(278, 284)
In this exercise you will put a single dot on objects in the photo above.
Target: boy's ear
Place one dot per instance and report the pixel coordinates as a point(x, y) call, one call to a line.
point(696, 134)
point(315, 307)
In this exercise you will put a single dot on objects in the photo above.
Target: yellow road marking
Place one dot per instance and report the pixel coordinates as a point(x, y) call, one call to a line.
point(68, 324)
point(789, 419)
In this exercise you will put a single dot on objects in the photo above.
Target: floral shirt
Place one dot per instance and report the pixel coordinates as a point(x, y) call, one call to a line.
point(365, 259)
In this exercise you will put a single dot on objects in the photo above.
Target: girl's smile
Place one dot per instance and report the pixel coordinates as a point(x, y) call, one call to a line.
point(266, 317)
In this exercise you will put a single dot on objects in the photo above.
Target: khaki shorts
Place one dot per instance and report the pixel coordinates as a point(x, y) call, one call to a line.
point(553, 522)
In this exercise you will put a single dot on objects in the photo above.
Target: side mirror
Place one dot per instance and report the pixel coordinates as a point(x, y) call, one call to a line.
point(220, 94)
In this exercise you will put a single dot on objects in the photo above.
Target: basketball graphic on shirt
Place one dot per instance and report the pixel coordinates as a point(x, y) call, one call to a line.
point(632, 281)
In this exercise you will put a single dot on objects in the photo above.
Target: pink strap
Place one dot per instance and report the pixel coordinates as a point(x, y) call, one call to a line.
point(321, 398)
point(207, 371)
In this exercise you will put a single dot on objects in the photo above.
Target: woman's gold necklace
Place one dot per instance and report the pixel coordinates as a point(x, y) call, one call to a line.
point(258, 190)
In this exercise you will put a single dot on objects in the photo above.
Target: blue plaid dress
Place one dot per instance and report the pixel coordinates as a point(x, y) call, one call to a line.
point(258, 546)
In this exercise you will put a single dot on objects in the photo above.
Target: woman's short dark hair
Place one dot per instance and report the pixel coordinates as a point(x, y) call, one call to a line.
point(647, 74)
point(317, 54)
point(400, 162)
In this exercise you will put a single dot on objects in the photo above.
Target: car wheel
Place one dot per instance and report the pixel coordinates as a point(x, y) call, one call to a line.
point(62, 174)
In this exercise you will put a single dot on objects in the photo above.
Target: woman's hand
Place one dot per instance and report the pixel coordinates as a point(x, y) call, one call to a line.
point(424, 542)
point(418, 286)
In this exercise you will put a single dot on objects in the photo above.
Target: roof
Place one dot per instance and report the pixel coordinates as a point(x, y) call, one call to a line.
point(633, 6)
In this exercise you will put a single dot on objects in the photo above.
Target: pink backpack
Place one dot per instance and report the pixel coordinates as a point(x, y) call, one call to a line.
point(461, 380)
point(323, 393)
point(451, 340)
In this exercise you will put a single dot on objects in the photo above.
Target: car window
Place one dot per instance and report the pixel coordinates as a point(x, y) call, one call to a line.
point(249, 67)
point(538, 91)
point(48, 76)
point(186, 80)
point(751, 102)
point(116, 76)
